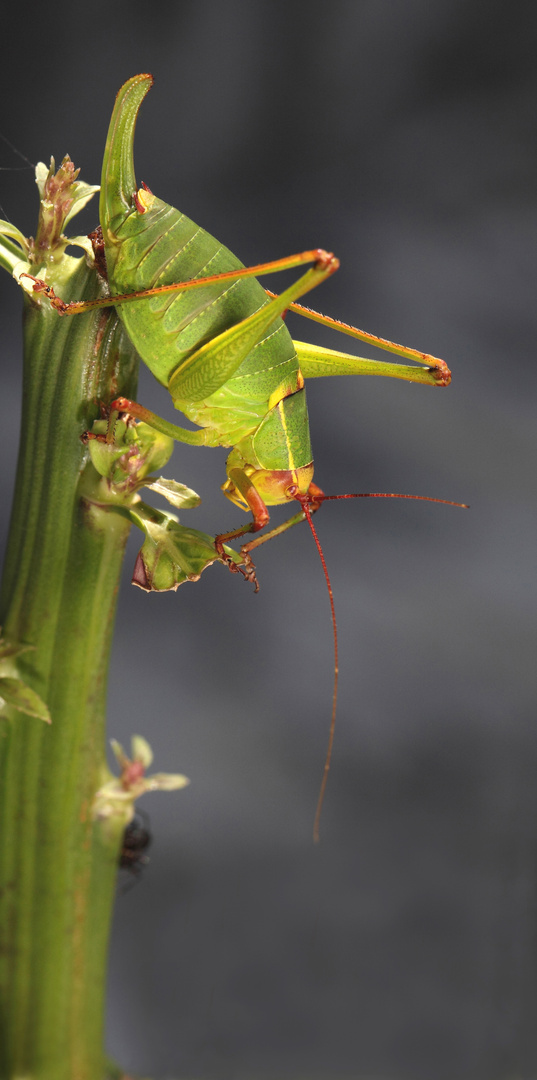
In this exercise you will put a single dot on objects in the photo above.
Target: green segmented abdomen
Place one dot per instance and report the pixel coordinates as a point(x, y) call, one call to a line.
point(281, 441)
point(162, 246)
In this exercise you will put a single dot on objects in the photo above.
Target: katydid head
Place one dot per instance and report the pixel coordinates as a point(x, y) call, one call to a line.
point(272, 486)
point(278, 486)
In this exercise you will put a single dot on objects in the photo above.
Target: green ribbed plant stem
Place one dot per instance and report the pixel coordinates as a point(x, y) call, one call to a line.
point(57, 866)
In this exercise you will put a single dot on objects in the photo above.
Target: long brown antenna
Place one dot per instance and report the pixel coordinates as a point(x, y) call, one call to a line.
point(328, 757)
point(321, 497)
point(390, 495)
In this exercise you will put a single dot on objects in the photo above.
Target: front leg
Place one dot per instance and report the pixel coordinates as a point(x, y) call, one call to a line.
point(125, 406)
point(260, 518)
point(313, 500)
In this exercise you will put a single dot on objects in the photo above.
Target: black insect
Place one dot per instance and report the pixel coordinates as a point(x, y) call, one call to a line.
point(136, 840)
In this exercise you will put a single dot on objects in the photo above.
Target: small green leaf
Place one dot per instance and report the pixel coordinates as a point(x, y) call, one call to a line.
point(83, 242)
point(81, 194)
point(156, 448)
point(141, 750)
point(15, 693)
point(177, 494)
point(173, 554)
point(18, 270)
point(117, 461)
point(7, 229)
point(166, 782)
point(136, 450)
point(41, 174)
point(118, 752)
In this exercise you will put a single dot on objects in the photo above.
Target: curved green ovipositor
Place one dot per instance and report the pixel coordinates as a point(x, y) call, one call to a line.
point(118, 180)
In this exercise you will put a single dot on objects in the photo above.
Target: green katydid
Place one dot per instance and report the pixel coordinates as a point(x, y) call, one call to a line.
point(212, 335)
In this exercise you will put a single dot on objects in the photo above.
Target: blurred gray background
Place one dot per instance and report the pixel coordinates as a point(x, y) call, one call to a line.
point(402, 136)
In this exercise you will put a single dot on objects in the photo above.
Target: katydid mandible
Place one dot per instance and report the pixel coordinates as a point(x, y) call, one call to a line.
point(211, 334)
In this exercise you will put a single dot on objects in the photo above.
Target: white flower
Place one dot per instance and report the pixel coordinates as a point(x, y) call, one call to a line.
point(116, 798)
